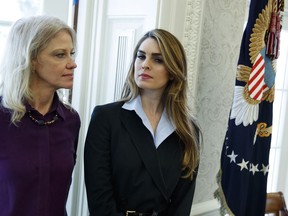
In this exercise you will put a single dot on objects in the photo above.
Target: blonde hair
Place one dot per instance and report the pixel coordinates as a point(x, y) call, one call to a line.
point(175, 94)
point(27, 37)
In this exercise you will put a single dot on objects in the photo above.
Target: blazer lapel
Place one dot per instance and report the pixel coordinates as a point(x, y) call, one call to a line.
point(143, 141)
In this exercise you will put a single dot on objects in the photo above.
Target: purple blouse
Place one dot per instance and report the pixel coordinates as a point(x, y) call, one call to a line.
point(36, 161)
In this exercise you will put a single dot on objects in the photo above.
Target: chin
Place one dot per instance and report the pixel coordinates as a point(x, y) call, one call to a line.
point(66, 87)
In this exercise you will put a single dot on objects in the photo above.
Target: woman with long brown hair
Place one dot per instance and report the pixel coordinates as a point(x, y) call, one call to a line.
point(142, 152)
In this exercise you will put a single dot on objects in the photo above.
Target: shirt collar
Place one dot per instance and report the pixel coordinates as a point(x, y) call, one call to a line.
point(55, 107)
point(165, 126)
point(135, 105)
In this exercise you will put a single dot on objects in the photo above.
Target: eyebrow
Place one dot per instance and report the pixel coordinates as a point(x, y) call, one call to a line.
point(153, 54)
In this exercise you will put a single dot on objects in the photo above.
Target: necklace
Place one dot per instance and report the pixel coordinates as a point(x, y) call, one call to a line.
point(42, 122)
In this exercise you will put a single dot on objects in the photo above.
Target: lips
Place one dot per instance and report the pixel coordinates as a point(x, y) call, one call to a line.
point(145, 76)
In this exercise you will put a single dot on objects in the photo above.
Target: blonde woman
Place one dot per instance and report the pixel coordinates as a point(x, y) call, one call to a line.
point(39, 133)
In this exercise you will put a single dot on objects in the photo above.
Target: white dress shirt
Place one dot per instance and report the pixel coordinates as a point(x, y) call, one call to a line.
point(164, 128)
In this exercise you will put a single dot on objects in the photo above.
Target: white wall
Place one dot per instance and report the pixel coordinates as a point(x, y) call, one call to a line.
point(60, 9)
point(220, 46)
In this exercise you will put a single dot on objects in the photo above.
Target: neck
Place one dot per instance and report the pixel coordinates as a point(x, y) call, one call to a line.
point(42, 102)
point(152, 104)
point(153, 109)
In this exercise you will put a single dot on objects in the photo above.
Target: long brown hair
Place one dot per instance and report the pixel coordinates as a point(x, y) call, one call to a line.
point(174, 96)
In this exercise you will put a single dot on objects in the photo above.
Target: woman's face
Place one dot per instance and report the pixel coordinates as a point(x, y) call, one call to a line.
point(54, 65)
point(150, 71)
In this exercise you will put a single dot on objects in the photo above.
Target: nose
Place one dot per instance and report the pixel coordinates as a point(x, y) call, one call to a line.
point(71, 64)
point(145, 65)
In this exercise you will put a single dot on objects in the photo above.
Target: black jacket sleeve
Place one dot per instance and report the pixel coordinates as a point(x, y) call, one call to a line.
point(182, 197)
point(97, 166)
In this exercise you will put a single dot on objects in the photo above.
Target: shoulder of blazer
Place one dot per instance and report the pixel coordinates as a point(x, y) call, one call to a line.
point(110, 108)
point(113, 105)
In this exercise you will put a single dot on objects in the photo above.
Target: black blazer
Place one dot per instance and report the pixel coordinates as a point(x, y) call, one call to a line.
point(124, 170)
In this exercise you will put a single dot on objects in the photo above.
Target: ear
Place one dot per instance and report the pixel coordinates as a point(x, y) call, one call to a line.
point(32, 68)
point(33, 65)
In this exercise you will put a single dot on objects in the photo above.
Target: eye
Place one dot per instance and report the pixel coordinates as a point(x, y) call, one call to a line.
point(72, 54)
point(141, 56)
point(60, 55)
point(158, 60)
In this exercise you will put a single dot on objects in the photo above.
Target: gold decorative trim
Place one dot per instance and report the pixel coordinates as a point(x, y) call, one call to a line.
point(257, 38)
point(219, 195)
point(268, 95)
point(247, 97)
point(243, 73)
point(263, 131)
